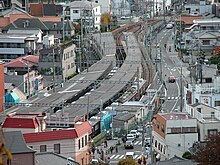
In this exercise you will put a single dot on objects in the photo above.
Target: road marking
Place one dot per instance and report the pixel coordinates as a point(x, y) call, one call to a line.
point(136, 142)
point(135, 156)
point(172, 98)
point(140, 143)
point(121, 156)
point(112, 156)
point(177, 98)
point(168, 98)
point(117, 156)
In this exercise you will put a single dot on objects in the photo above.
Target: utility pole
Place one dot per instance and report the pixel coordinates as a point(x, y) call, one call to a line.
point(181, 56)
point(29, 88)
point(54, 72)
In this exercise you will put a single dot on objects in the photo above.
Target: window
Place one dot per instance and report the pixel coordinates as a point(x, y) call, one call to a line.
point(206, 42)
point(43, 148)
point(212, 132)
point(82, 142)
point(86, 140)
point(31, 146)
point(79, 144)
point(217, 103)
point(158, 125)
point(156, 143)
point(162, 128)
point(75, 11)
point(159, 146)
point(57, 148)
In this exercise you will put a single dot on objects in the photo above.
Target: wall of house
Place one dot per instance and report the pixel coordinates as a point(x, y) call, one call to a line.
point(68, 62)
point(23, 158)
point(206, 126)
point(2, 90)
point(177, 144)
point(158, 123)
point(75, 14)
point(82, 155)
point(67, 146)
point(161, 149)
point(97, 16)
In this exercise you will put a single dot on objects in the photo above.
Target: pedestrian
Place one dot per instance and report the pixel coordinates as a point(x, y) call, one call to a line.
point(111, 149)
point(116, 149)
point(165, 46)
point(93, 150)
point(169, 48)
point(139, 161)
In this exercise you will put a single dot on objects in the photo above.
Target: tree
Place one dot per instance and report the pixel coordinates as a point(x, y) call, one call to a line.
point(210, 152)
point(127, 161)
point(105, 21)
point(187, 155)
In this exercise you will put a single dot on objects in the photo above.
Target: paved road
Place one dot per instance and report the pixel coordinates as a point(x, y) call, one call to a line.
point(170, 65)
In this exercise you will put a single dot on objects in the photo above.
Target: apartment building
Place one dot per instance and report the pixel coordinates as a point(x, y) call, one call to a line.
point(89, 12)
point(173, 134)
point(208, 119)
point(24, 74)
point(60, 59)
point(13, 46)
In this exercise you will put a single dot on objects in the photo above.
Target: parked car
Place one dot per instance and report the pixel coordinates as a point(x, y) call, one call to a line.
point(171, 79)
point(129, 145)
point(131, 137)
point(169, 26)
point(134, 132)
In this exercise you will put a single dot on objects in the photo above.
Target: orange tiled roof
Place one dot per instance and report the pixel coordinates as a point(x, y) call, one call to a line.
point(36, 9)
point(83, 128)
point(13, 17)
point(50, 18)
point(4, 21)
point(188, 20)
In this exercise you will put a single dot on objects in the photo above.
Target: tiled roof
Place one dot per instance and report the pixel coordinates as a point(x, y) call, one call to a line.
point(15, 143)
point(24, 61)
point(14, 122)
point(50, 158)
point(36, 9)
point(4, 21)
point(49, 9)
point(83, 128)
point(50, 135)
point(188, 20)
point(50, 18)
point(13, 17)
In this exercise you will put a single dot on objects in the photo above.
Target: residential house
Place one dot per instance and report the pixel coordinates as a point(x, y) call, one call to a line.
point(208, 119)
point(105, 5)
point(26, 123)
point(2, 81)
point(173, 134)
point(133, 107)
point(61, 59)
point(35, 32)
point(22, 154)
point(207, 92)
point(13, 46)
point(45, 9)
point(197, 8)
point(47, 27)
point(13, 94)
point(123, 122)
point(69, 142)
point(51, 158)
point(89, 12)
point(23, 72)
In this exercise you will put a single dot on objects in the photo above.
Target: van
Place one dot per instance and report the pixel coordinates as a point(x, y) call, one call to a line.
point(130, 155)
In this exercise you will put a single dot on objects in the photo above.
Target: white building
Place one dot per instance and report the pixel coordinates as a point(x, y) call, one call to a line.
point(89, 12)
point(105, 5)
point(208, 119)
point(198, 9)
point(173, 134)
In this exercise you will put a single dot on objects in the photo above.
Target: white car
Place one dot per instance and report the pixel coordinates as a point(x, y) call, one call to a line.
point(169, 26)
point(134, 132)
point(131, 137)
